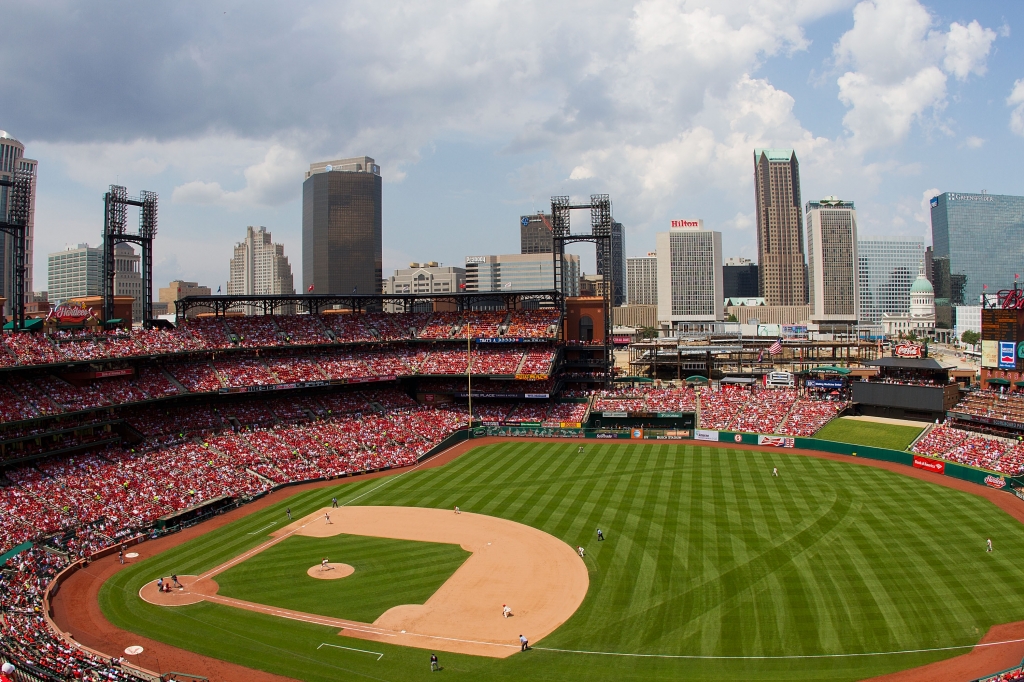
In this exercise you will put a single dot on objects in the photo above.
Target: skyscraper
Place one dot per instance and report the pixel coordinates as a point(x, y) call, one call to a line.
point(618, 263)
point(739, 278)
point(886, 269)
point(642, 279)
point(535, 233)
point(75, 272)
point(342, 242)
point(982, 235)
point(12, 158)
point(128, 277)
point(832, 260)
point(520, 272)
point(259, 266)
point(780, 231)
point(689, 274)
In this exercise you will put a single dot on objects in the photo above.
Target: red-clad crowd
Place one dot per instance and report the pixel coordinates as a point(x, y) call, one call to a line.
point(27, 640)
point(637, 399)
point(267, 331)
point(974, 449)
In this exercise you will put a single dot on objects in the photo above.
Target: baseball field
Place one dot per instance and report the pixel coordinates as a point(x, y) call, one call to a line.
point(712, 569)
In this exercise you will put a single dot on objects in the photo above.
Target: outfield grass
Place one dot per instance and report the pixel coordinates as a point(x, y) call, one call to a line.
point(892, 436)
point(708, 559)
point(387, 573)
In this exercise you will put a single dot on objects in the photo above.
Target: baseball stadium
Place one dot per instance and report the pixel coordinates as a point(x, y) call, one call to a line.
point(484, 487)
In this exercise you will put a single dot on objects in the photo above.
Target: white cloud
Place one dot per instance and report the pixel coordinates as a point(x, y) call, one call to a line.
point(974, 142)
point(924, 214)
point(967, 48)
point(1017, 115)
point(899, 65)
point(271, 182)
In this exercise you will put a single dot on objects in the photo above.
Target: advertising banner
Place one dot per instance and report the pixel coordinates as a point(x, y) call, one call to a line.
point(823, 383)
point(990, 354)
point(776, 441)
point(636, 433)
point(932, 465)
point(995, 482)
point(615, 414)
point(701, 434)
point(1007, 355)
point(531, 377)
point(908, 350)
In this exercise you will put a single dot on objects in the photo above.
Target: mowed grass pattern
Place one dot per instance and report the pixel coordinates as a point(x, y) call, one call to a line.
point(387, 573)
point(707, 556)
point(858, 432)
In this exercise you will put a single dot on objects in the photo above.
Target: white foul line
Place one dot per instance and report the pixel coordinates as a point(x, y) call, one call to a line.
point(272, 523)
point(762, 658)
point(378, 654)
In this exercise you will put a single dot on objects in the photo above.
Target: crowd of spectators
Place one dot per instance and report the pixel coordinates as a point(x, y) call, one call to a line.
point(646, 399)
point(973, 449)
point(993, 405)
point(265, 331)
point(27, 640)
point(808, 415)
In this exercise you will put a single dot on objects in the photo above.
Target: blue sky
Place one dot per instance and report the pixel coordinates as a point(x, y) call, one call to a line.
point(479, 112)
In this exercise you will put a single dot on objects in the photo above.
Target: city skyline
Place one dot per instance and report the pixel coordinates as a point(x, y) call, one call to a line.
point(460, 164)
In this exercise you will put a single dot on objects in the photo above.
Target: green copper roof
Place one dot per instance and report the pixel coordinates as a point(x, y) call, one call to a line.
point(922, 286)
point(774, 154)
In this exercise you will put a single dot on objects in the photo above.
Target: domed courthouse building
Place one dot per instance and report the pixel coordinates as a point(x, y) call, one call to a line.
point(920, 320)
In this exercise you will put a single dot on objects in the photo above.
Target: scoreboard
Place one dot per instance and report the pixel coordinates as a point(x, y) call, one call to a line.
point(1002, 339)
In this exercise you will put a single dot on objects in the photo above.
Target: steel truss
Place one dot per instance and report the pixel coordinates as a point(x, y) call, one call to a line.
point(15, 224)
point(115, 223)
point(315, 303)
point(600, 207)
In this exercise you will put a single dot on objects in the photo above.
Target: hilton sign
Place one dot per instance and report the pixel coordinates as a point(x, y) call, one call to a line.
point(688, 224)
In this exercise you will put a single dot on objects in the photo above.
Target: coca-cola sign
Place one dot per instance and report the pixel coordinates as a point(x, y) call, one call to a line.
point(908, 350)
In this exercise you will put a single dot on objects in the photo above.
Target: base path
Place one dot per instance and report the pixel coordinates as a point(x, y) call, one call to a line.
point(76, 606)
point(540, 576)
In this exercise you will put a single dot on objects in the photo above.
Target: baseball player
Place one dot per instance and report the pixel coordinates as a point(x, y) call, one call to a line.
point(581, 550)
point(327, 517)
point(600, 535)
point(288, 511)
point(334, 502)
point(775, 471)
point(323, 564)
point(524, 643)
point(433, 663)
point(505, 611)
point(988, 545)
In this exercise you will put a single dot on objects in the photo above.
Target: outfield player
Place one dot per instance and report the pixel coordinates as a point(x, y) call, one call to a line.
point(775, 472)
point(988, 545)
point(581, 550)
point(433, 663)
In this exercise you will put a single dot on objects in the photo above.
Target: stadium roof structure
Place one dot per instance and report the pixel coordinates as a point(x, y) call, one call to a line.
point(908, 363)
point(314, 303)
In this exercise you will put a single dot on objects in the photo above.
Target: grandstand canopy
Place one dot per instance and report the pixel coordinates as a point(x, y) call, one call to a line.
point(828, 369)
point(999, 382)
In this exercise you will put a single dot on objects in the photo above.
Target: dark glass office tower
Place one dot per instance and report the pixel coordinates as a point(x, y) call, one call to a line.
point(618, 263)
point(342, 243)
point(982, 238)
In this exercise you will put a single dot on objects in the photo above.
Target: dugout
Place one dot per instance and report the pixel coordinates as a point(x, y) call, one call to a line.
point(210, 507)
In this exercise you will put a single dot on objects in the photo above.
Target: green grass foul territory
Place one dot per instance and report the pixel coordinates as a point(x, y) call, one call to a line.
point(892, 436)
point(712, 569)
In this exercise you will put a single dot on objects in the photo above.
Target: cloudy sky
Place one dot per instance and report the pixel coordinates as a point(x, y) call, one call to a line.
point(479, 111)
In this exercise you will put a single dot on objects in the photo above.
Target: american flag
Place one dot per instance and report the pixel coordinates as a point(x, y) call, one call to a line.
point(776, 348)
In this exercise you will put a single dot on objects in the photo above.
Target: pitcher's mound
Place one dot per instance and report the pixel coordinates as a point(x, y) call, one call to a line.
point(332, 572)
